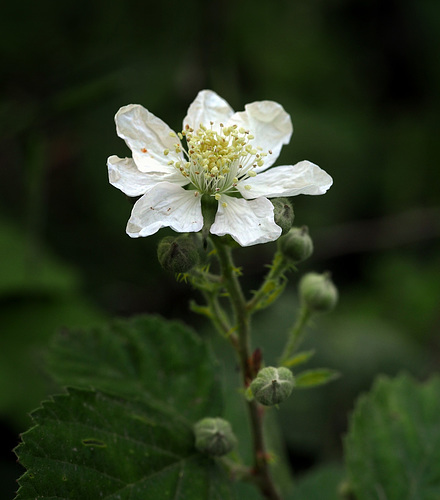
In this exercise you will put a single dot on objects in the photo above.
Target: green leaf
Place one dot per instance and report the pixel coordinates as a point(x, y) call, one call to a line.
point(393, 444)
point(146, 358)
point(313, 378)
point(89, 445)
point(299, 359)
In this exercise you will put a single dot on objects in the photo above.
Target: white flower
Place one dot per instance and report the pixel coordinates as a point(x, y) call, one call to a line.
point(226, 157)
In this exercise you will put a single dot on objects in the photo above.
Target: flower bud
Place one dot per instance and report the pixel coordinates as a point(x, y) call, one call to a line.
point(318, 292)
point(283, 213)
point(272, 385)
point(296, 245)
point(177, 255)
point(214, 436)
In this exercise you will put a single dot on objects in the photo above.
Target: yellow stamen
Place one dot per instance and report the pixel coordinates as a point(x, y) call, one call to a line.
point(217, 159)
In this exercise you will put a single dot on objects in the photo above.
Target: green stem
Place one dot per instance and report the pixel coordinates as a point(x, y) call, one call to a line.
point(260, 473)
point(278, 267)
point(238, 303)
point(296, 334)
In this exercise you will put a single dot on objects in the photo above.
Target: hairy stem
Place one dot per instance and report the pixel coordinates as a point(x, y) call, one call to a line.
point(261, 472)
point(271, 281)
point(296, 335)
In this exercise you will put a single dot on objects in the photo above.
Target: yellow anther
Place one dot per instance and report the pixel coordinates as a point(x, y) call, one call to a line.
point(224, 204)
point(166, 152)
point(217, 159)
point(172, 134)
point(248, 187)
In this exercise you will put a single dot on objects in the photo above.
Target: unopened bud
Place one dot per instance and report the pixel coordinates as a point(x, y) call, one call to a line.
point(283, 213)
point(272, 385)
point(318, 292)
point(296, 245)
point(178, 255)
point(214, 436)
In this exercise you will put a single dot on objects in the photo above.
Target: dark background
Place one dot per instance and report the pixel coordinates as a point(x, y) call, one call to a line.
point(360, 79)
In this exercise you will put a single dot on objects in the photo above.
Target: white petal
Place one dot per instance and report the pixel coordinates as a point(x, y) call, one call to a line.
point(288, 180)
point(166, 205)
point(208, 107)
point(248, 222)
point(147, 136)
point(269, 124)
point(124, 174)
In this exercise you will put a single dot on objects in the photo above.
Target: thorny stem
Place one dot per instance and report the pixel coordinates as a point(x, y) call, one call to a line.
point(261, 473)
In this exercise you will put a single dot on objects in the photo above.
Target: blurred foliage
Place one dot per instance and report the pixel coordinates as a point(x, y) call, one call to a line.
point(391, 448)
point(360, 79)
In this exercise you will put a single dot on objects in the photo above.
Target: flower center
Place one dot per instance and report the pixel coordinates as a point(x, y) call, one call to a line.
point(217, 160)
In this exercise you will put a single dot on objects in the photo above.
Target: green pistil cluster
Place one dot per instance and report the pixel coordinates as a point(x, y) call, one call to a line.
point(216, 161)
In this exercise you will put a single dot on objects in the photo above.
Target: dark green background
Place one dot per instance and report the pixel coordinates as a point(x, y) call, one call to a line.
point(360, 79)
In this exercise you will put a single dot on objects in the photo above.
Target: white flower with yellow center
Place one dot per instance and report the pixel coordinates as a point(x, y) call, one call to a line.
point(226, 158)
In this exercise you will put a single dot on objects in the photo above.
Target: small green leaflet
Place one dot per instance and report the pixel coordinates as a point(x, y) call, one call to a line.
point(299, 359)
point(315, 377)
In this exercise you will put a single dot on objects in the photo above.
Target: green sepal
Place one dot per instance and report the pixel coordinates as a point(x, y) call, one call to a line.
point(214, 436)
point(209, 211)
point(272, 385)
point(248, 394)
